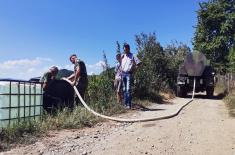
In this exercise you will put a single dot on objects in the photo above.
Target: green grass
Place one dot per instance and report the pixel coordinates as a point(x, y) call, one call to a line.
point(22, 133)
point(230, 100)
point(220, 89)
point(100, 98)
point(29, 131)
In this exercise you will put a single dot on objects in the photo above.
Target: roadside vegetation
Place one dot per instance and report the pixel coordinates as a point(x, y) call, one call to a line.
point(214, 36)
point(156, 74)
point(230, 100)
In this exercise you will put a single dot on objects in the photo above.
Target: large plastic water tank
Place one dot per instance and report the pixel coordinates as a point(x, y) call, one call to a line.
point(19, 100)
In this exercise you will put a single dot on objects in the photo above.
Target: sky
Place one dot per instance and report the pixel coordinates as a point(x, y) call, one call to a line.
point(36, 34)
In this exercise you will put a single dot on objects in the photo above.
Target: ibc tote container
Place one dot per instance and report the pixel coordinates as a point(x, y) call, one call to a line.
point(19, 101)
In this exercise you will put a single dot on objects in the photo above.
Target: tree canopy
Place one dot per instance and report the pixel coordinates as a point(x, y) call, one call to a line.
point(215, 31)
point(159, 67)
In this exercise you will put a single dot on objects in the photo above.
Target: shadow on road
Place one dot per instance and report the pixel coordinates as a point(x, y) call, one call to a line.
point(143, 108)
point(219, 96)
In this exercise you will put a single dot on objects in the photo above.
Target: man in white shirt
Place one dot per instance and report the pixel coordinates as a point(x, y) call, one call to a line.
point(128, 65)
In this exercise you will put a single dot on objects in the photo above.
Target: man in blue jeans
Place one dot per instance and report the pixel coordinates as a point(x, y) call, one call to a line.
point(128, 64)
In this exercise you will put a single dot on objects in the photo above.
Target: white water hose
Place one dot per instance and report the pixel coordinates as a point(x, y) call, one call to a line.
point(132, 120)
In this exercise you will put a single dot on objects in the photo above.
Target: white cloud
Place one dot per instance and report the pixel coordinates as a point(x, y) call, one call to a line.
point(44, 59)
point(91, 68)
point(97, 65)
point(28, 68)
point(95, 68)
point(31, 70)
point(69, 67)
point(11, 64)
point(24, 68)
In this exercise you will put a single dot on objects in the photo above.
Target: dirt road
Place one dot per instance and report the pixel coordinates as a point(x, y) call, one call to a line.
point(203, 127)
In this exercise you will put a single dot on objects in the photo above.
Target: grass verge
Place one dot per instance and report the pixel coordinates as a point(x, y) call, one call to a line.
point(30, 131)
point(229, 98)
point(230, 101)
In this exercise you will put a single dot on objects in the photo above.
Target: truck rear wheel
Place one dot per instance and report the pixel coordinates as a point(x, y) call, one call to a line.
point(209, 92)
point(181, 92)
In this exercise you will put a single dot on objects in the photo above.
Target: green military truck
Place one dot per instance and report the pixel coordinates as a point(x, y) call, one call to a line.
point(196, 66)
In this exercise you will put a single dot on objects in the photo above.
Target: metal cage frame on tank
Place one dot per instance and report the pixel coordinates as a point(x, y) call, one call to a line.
point(20, 100)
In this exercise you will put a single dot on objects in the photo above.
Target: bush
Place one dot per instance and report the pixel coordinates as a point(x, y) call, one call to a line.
point(100, 96)
point(100, 93)
point(159, 68)
point(230, 100)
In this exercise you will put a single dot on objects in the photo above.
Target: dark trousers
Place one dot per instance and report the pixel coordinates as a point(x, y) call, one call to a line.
point(81, 87)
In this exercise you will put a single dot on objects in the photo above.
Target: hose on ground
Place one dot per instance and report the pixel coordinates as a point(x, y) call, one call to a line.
point(133, 120)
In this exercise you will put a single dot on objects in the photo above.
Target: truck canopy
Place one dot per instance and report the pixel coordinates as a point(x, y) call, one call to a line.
point(194, 64)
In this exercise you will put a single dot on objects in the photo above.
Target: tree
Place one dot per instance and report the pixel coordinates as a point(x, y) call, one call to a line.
point(159, 68)
point(231, 59)
point(175, 54)
point(215, 30)
point(107, 70)
point(118, 48)
point(105, 65)
point(150, 76)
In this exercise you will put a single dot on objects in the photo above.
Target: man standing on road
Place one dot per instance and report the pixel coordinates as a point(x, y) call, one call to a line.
point(48, 77)
point(79, 77)
point(128, 65)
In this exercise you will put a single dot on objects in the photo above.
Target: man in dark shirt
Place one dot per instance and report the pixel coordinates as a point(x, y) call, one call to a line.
point(48, 77)
point(79, 77)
